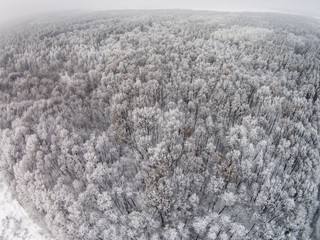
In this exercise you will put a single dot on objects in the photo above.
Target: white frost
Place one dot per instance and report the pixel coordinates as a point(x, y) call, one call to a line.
point(14, 221)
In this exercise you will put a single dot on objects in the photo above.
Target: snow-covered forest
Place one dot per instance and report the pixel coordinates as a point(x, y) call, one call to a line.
point(163, 124)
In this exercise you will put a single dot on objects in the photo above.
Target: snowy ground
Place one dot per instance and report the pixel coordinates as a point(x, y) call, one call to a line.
point(317, 234)
point(14, 221)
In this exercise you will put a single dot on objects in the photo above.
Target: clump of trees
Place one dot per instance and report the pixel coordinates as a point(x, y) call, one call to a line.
point(164, 125)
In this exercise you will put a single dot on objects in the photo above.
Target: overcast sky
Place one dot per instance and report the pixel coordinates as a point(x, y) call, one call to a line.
point(11, 9)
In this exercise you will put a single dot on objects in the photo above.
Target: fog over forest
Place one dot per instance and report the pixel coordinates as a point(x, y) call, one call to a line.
point(19, 9)
point(161, 124)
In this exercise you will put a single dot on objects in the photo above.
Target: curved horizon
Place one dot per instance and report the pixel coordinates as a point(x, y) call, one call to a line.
point(11, 10)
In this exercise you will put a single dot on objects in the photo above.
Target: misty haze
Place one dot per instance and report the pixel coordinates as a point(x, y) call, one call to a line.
point(120, 120)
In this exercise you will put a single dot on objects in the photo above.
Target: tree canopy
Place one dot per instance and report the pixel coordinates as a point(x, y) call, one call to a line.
point(164, 124)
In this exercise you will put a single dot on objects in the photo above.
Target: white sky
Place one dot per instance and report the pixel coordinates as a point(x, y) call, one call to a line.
point(11, 9)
